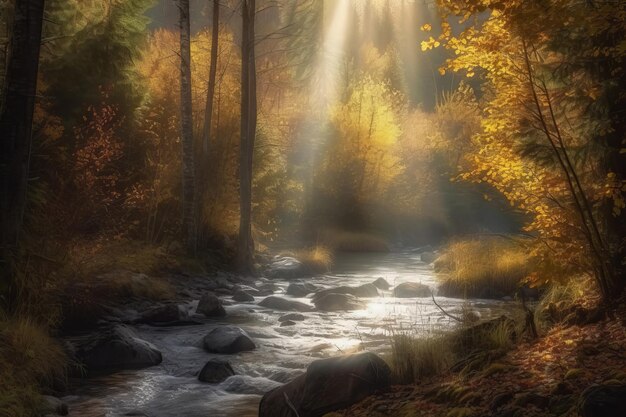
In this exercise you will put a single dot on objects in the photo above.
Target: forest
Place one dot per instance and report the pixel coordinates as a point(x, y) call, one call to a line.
point(307, 208)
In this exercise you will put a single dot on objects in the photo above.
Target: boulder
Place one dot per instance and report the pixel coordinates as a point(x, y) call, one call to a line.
point(287, 323)
point(411, 290)
point(286, 267)
point(291, 317)
point(338, 302)
point(328, 385)
point(227, 339)
point(604, 400)
point(278, 303)
point(215, 371)
point(428, 257)
point(115, 348)
point(364, 291)
point(381, 284)
point(242, 296)
point(301, 289)
point(165, 314)
point(210, 306)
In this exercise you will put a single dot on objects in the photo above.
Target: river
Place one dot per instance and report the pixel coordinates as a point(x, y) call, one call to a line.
point(172, 389)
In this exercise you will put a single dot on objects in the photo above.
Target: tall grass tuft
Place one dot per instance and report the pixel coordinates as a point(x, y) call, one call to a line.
point(488, 267)
point(414, 359)
point(316, 260)
point(29, 359)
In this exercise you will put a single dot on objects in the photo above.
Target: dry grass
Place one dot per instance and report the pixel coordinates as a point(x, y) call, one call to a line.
point(413, 358)
point(344, 241)
point(317, 260)
point(29, 359)
point(482, 268)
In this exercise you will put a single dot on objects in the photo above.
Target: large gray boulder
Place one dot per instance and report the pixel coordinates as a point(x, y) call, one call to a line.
point(115, 348)
point(215, 371)
point(411, 290)
point(338, 302)
point(210, 306)
point(242, 296)
point(227, 339)
point(381, 283)
point(328, 385)
point(282, 304)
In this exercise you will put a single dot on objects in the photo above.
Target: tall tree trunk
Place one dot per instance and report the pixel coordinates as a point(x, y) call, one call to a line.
point(245, 247)
point(16, 117)
point(208, 112)
point(186, 124)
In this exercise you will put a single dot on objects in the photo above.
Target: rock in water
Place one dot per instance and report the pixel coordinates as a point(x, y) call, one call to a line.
point(339, 302)
point(278, 303)
point(291, 317)
point(215, 371)
point(365, 291)
point(411, 290)
point(381, 284)
point(606, 400)
point(210, 306)
point(242, 296)
point(301, 289)
point(165, 314)
point(228, 339)
point(114, 349)
point(428, 257)
point(286, 267)
point(328, 385)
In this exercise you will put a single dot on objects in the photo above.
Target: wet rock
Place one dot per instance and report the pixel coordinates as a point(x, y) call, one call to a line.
point(411, 290)
point(278, 303)
point(428, 257)
point(301, 289)
point(53, 405)
point(605, 400)
point(338, 302)
point(228, 339)
point(242, 296)
point(216, 371)
point(210, 306)
point(115, 348)
point(381, 284)
point(267, 289)
point(292, 317)
point(364, 291)
point(328, 385)
point(287, 323)
point(286, 267)
point(165, 314)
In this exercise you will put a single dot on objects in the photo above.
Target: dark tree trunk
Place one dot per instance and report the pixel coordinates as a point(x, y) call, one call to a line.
point(208, 113)
point(245, 247)
point(188, 169)
point(16, 117)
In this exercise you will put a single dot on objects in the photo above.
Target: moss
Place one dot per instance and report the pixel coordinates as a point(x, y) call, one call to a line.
point(460, 412)
point(496, 368)
point(572, 374)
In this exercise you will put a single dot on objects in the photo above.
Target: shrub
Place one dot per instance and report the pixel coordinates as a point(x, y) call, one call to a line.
point(482, 268)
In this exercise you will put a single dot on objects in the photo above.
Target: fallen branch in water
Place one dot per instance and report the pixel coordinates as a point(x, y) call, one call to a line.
point(444, 311)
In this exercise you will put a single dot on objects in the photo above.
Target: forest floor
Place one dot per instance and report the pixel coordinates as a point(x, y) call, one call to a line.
point(541, 377)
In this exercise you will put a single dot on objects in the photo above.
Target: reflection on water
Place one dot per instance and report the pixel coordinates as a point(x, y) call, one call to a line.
point(171, 389)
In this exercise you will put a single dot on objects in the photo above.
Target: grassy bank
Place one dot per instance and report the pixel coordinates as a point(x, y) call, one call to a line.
point(488, 267)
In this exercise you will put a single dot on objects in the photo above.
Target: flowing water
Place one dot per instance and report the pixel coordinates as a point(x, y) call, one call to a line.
point(172, 388)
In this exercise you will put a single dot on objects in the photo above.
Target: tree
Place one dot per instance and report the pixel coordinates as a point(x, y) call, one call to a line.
point(186, 125)
point(208, 114)
point(16, 116)
point(245, 246)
